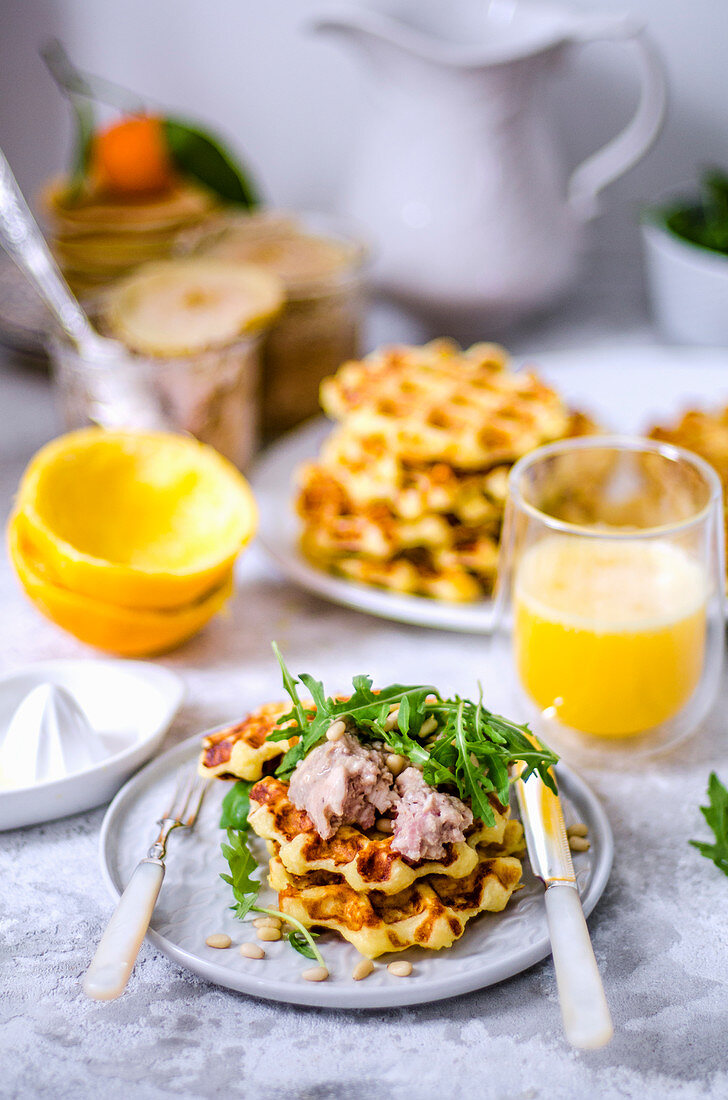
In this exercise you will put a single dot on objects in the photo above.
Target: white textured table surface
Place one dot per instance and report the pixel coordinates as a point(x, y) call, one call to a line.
point(660, 932)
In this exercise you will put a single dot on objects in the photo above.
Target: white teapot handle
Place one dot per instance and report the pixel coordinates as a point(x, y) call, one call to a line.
point(624, 150)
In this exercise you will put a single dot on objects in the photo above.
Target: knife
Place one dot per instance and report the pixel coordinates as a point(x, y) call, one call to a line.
point(584, 1008)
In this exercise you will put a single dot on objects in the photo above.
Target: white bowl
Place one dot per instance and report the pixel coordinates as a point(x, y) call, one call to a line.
point(688, 287)
point(132, 701)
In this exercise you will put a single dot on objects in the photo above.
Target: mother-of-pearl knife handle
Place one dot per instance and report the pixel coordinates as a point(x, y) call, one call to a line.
point(118, 948)
point(584, 1008)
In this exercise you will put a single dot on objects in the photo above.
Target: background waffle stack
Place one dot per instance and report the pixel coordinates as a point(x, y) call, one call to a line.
point(706, 435)
point(409, 490)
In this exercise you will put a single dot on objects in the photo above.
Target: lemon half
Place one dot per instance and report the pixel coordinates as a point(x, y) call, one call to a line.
point(135, 519)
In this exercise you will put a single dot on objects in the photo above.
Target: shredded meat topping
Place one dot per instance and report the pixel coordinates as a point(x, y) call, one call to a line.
point(426, 819)
point(342, 783)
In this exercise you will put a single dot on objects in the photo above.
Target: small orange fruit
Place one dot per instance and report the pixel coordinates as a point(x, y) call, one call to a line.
point(131, 157)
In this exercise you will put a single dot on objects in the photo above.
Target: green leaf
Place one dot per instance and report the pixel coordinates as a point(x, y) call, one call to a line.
point(300, 943)
point(472, 751)
point(198, 154)
point(716, 815)
point(242, 863)
point(236, 806)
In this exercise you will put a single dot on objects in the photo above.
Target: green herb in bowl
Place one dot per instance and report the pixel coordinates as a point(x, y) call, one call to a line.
point(702, 221)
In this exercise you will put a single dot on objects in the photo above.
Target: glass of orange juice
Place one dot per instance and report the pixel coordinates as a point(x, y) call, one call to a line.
point(612, 578)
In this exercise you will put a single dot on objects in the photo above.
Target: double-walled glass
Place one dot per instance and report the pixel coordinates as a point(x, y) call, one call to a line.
point(612, 584)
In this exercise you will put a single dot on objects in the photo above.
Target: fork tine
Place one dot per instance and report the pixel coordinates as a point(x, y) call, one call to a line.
point(181, 796)
point(197, 793)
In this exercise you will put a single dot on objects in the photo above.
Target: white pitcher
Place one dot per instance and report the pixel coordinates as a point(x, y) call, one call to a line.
point(457, 175)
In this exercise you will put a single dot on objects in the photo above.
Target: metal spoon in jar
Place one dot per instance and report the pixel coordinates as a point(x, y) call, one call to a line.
point(115, 400)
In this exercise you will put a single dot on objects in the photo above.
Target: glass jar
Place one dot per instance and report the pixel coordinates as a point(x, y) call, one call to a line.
point(320, 326)
point(213, 394)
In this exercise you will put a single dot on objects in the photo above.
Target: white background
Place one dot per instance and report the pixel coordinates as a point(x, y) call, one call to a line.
point(290, 100)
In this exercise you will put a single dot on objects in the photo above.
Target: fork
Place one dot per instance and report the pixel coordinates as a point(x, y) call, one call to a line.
point(108, 974)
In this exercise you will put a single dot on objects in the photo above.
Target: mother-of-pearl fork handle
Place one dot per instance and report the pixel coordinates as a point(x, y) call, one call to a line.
point(118, 948)
point(584, 1008)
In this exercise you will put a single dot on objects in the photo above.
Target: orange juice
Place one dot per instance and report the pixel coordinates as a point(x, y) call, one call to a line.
point(610, 633)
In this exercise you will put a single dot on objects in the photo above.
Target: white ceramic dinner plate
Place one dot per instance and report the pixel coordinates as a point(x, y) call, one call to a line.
point(195, 902)
point(626, 389)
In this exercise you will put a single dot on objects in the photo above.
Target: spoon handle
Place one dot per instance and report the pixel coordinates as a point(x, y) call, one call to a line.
point(23, 241)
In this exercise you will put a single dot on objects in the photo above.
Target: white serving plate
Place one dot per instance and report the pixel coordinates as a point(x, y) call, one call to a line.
point(626, 389)
point(195, 902)
point(132, 701)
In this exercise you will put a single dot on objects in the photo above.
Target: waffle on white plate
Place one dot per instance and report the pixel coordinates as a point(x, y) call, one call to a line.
point(409, 489)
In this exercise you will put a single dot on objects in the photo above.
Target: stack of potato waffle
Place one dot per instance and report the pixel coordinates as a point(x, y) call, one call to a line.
point(706, 435)
point(355, 883)
point(409, 490)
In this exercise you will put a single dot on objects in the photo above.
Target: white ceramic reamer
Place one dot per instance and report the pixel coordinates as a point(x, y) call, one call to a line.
point(71, 732)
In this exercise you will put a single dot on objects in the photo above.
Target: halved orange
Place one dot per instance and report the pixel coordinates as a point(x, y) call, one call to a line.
point(120, 630)
point(136, 519)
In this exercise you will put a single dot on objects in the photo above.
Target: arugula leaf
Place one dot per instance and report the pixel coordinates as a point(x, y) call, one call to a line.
point(299, 942)
point(196, 153)
point(472, 750)
point(242, 863)
point(236, 805)
point(716, 814)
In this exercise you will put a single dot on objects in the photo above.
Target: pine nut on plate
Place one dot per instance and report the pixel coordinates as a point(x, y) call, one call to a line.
point(267, 922)
point(579, 829)
point(579, 844)
point(401, 969)
point(362, 969)
point(252, 951)
point(218, 939)
point(269, 935)
point(315, 974)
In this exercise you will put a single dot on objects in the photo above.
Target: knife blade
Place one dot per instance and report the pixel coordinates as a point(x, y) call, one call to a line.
point(584, 1009)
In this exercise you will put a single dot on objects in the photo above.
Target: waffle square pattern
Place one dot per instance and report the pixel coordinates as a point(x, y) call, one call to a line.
point(409, 489)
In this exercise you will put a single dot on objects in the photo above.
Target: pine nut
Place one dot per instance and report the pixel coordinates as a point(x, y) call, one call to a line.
point(384, 825)
point(218, 939)
point(336, 730)
point(269, 935)
point(396, 763)
point(401, 969)
point(392, 718)
point(315, 974)
point(266, 922)
point(252, 951)
point(362, 969)
point(428, 726)
point(578, 830)
point(579, 844)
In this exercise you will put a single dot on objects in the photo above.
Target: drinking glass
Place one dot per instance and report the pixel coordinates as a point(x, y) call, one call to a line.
point(612, 583)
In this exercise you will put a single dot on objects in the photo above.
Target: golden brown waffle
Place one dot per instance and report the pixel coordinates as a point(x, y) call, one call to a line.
point(706, 434)
point(354, 474)
point(242, 751)
point(432, 912)
point(408, 493)
point(438, 403)
point(364, 860)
